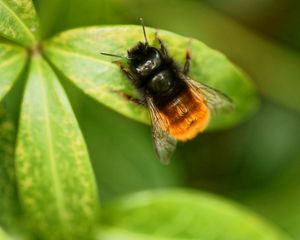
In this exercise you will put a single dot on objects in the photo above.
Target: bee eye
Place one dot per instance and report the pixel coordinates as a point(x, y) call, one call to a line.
point(161, 82)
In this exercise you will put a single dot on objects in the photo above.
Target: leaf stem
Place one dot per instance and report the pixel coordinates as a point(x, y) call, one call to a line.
point(36, 49)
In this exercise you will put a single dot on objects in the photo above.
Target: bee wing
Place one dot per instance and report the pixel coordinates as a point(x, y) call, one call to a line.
point(214, 99)
point(164, 143)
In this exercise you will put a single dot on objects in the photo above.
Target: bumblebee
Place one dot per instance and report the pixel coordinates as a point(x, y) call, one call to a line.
point(180, 107)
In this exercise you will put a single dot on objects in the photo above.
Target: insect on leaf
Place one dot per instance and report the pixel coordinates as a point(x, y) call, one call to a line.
point(76, 54)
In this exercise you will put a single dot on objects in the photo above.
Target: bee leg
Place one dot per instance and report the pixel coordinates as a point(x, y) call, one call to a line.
point(188, 58)
point(126, 72)
point(138, 101)
point(162, 46)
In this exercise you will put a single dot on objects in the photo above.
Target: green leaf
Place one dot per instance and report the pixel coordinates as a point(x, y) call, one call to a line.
point(56, 182)
point(117, 233)
point(12, 61)
point(274, 66)
point(179, 214)
point(3, 235)
point(8, 193)
point(76, 54)
point(18, 21)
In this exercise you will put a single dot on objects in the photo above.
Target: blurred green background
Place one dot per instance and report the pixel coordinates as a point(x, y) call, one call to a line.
point(256, 163)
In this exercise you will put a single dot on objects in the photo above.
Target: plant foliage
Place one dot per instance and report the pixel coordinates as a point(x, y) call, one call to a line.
point(56, 185)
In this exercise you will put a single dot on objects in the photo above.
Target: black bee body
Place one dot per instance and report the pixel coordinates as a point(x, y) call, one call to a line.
point(155, 74)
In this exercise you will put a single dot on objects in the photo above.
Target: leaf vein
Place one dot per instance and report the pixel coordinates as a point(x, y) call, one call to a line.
point(53, 166)
point(65, 52)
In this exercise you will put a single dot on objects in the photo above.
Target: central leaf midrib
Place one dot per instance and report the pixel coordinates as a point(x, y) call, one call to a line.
point(23, 25)
point(53, 167)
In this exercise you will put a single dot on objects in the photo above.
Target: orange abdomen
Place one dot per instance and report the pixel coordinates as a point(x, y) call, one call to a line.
point(187, 116)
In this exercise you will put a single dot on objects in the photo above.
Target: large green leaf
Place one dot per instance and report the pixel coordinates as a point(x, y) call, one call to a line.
point(273, 66)
point(76, 54)
point(12, 61)
point(18, 21)
point(56, 182)
point(183, 215)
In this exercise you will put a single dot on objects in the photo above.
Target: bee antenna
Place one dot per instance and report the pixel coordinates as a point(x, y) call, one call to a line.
point(114, 55)
point(143, 26)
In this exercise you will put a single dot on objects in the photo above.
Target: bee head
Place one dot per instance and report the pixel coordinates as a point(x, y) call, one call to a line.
point(144, 60)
